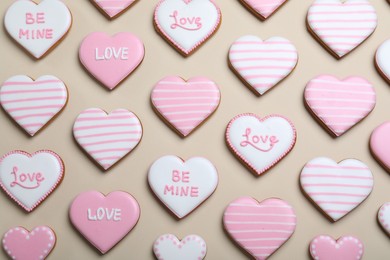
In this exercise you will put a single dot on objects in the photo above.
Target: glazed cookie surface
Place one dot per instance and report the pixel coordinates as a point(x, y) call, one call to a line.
point(345, 248)
point(380, 144)
point(382, 59)
point(263, 8)
point(384, 217)
point(112, 9)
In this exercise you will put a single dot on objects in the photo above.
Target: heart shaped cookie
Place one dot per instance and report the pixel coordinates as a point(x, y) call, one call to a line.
point(341, 25)
point(384, 217)
point(33, 104)
point(259, 228)
point(37, 27)
point(168, 247)
point(336, 188)
point(340, 104)
point(345, 248)
point(111, 59)
point(19, 243)
point(263, 8)
point(261, 65)
point(29, 179)
point(104, 220)
point(380, 144)
point(182, 185)
point(260, 143)
point(112, 9)
point(185, 105)
point(187, 24)
point(382, 60)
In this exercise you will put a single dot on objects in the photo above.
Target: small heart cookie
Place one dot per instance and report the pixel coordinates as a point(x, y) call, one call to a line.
point(112, 9)
point(263, 8)
point(380, 144)
point(187, 24)
point(38, 27)
point(384, 217)
point(382, 60)
point(169, 247)
point(182, 185)
point(345, 248)
point(29, 179)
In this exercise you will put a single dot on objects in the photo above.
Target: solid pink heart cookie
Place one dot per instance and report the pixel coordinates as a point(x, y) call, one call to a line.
point(336, 188)
point(104, 220)
point(19, 243)
point(187, 24)
point(260, 143)
point(382, 59)
point(185, 105)
point(29, 179)
point(261, 65)
point(111, 59)
point(107, 138)
point(341, 25)
point(33, 104)
point(169, 247)
point(345, 248)
point(260, 228)
point(182, 185)
point(340, 104)
point(112, 9)
point(263, 8)
point(384, 217)
point(380, 144)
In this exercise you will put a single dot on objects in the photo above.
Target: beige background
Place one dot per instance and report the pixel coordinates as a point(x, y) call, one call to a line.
point(208, 141)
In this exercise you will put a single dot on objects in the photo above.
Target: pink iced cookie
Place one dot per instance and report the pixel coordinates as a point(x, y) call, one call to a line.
point(340, 104)
point(380, 144)
point(345, 248)
point(111, 8)
point(185, 105)
point(384, 217)
point(260, 228)
point(104, 220)
point(382, 60)
point(21, 244)
point(111, 59)
point(263, 8)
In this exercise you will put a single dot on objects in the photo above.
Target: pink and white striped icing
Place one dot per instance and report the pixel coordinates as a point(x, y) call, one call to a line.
point(32, 104)
point(336, 188)
point(264, 8)
point(340, 104)
point(185, 104)
point(342, 25)
point(384, 217)
point(259, 228)
point(113, 7)
point(262, 64)
point(107, 138)
point(345, 248)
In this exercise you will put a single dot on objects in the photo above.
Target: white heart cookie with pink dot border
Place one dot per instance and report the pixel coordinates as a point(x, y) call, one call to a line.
point(263, 8)
point(112, 9)
point(345, 248)
point(382, 59)
point(384, 217)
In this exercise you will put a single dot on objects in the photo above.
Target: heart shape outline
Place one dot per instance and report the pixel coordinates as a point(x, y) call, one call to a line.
point(262, 11)
point(379, 145)
point(345, 248)
point(112, 12)
point(381, 60)
point(384, 217)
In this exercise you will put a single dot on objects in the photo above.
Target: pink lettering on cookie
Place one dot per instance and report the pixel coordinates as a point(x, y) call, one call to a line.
point(184, 191)
point(256, 140)
point(104, 214)
point(37, 18)
point(35, 34)
point(109, 53)
point(193, 23)
point(26, 180)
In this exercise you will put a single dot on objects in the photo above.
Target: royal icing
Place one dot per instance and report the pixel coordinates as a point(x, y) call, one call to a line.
point(110, 59)
point(260, 228)
point(380, 144)
point(340, 104)
point(260, 143)
point(187, 24)
point(32, 104)
point(104, 220)
point(113, 8)
point(19, 243)
point(262, 64)
point(382, 58)
point(384, 217)
point(345, 248)
point(182, 185)
point(342, 25)
point(37, 27)
point(264, 8)
point(107, 138)
point(169, 247)
point(185, 105)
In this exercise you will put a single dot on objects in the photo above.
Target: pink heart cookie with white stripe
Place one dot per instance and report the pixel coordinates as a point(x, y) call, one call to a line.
point(113, 8)
point(261, 65)
point(185, 105)
point(340, 104)
point(336, 188)
point(107, 138)
point(260, 228)
point(384, 217)
point(263, 8)
point(341, 25)
point(345, 248)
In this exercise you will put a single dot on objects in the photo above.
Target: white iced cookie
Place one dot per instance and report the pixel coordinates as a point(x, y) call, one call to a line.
point(382, 59)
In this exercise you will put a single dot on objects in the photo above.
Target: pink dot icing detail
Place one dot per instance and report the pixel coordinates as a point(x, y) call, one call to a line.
point(345, 248)
point(384, 217)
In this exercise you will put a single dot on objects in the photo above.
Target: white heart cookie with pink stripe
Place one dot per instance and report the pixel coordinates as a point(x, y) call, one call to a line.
point(107, 138)
point(341, 25)
point(33, 104)
point(382, 59)
point(113, 8)
point(336, 188)
point(185, 105)
point(262, 64)
point(384, 217)
point(263, 8)
point(340, 104)
point(345, 248)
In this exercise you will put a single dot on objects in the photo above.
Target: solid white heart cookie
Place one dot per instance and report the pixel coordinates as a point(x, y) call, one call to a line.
point(37, 27)
point(182, 185)
point(382, 59)
point(384, 217)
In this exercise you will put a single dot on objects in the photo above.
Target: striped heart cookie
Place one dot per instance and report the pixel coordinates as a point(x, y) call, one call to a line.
point(262, 64)
point(259, 228)
point(263, 8)
point(345, 248)
point(185, 105)
point(113, 8)
point(336, 188)
point(107, 138)
point(340, 104)
point(33, 104)
point(382, 60)
point(341, 25)
point(384, 217)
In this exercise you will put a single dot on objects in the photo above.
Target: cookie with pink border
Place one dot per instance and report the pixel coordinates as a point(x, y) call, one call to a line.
point(29, 179)
point(187, 24)
point(380, 144)
point(19, 243)
point(113, 9)
point(260, 142)
point(384, 217)
point(382, 58)
point(345, 248)
point(263, 8)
